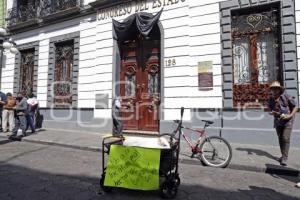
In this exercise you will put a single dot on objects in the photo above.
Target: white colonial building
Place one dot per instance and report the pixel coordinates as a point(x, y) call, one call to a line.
point(210, 56)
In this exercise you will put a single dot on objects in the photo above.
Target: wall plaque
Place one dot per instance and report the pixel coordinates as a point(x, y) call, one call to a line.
point(205, 75)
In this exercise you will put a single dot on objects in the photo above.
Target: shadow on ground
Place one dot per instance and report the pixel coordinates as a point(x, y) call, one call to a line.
point(5, 141)
point(257, 152)
point(19, 137)
point(287, 173)
point(21, 183)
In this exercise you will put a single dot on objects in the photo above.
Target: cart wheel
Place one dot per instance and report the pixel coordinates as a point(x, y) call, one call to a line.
point(104, 188)
point(174, 177)
point(177, 180)
point(168, 189)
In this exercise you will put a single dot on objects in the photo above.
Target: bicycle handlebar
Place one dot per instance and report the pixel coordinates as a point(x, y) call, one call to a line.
point(179, 122)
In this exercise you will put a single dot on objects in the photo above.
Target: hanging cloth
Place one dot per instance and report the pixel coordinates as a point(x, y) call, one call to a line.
point(142, 23)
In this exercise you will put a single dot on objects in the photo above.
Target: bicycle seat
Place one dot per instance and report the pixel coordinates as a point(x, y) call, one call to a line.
point(207, 121)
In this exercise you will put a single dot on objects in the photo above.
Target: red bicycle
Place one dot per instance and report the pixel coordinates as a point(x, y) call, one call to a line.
point(212, 151)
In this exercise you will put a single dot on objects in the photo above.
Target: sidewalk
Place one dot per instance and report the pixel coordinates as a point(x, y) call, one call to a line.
point(255, 158)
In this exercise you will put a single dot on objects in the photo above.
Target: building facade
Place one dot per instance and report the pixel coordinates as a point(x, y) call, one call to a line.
point(215, 58)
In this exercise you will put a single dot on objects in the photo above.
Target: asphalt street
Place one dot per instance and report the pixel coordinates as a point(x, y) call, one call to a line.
point(35, 171)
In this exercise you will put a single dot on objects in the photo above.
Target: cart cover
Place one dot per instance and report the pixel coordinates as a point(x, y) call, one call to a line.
point(133, 168)
point(147, 142)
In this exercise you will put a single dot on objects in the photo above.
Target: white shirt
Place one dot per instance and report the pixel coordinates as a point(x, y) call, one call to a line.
point(32, 101)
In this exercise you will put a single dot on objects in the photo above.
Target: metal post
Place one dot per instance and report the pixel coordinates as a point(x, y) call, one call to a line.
point(222, 121)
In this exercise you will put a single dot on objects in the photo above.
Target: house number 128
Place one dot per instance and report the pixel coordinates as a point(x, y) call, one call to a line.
point(170, 62)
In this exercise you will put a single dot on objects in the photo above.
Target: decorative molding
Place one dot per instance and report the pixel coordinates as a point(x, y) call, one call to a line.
point(63, 38)
point(288, 44)
point(24, 47)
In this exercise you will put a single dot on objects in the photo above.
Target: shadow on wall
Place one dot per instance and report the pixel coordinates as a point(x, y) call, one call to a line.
point(23, 183)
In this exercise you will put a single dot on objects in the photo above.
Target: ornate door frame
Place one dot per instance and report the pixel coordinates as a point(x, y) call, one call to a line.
point(140, 84)
point(117, 72)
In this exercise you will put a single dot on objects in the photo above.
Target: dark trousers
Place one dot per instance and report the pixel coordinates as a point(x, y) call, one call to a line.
point(117, 124)
point(30, 122)
point(284, 135)
point(20, 122)
point(1, 111)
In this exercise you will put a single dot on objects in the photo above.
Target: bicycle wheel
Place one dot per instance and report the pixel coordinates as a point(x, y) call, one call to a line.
point(216, 152)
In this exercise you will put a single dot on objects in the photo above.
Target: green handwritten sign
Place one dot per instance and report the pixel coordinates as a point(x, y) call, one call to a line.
point(133, 168)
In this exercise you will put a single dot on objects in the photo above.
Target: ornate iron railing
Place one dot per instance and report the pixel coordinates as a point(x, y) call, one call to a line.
point(21, 14)
point(49, 7)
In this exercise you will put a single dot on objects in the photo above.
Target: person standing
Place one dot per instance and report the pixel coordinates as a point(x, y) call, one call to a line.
point(117, 123)
point(20, 116)
point(31, 113)
point(2, 103)
point(283, 108)
point(8, 113)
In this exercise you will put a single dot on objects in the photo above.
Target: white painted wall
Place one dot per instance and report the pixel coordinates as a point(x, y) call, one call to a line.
point(297, 8)
point(191, 35)
point(7, 79)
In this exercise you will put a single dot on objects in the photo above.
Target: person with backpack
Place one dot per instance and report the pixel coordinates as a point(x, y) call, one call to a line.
point(283, 108)
point(8, 115)
point(32, 108)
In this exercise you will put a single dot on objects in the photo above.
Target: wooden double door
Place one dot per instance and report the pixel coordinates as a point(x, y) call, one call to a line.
point(140, 84)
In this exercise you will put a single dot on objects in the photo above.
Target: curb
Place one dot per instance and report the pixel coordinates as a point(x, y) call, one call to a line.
point(278, 170)
point(72, 146)
point(54, 143)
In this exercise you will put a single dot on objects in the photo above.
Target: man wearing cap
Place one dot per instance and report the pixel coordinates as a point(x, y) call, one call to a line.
point(283, 108)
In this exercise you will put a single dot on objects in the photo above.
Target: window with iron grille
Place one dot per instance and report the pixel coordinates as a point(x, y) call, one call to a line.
point(256, 55)
point(27, 71)
point(62, 85)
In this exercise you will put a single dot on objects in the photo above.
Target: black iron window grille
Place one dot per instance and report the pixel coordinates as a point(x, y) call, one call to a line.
point(49, 7)
point(256, 57)
point(62, 87)
point(27, 71)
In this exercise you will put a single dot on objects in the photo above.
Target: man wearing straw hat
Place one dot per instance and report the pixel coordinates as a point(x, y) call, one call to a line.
point(283, 108)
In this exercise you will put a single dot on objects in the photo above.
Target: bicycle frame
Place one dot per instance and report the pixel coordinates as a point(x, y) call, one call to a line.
point(201, 132)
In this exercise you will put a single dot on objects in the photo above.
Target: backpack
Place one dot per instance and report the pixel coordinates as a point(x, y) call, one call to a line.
point(39, 120)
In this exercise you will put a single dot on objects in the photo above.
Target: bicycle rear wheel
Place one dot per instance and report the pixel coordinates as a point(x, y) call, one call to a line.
point(216, 152)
